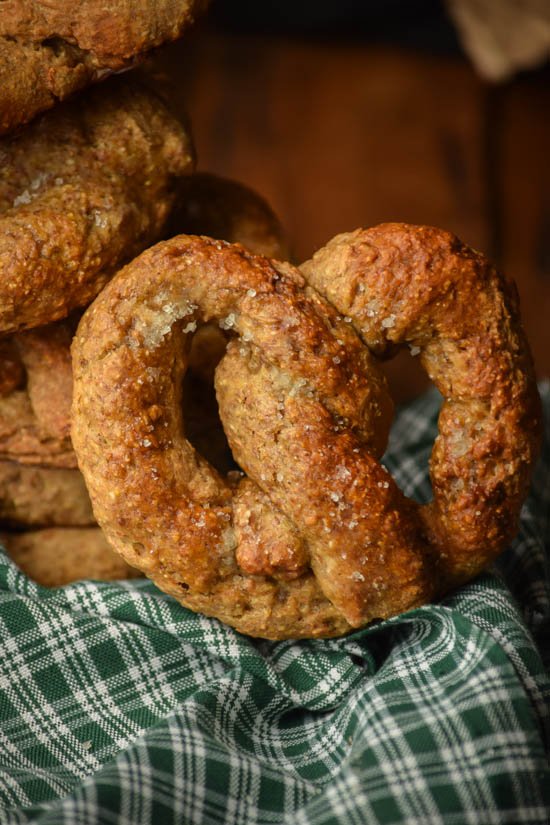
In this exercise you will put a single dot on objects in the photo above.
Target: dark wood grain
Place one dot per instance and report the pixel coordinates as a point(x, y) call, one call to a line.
point(524, 197)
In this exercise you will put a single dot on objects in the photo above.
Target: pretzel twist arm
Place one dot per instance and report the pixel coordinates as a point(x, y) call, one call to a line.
point(421, 287)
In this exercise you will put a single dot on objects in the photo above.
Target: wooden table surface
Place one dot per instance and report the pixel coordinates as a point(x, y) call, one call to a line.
point(339, 134)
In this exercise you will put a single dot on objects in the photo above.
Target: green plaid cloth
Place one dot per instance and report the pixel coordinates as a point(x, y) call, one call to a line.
point(119, 706)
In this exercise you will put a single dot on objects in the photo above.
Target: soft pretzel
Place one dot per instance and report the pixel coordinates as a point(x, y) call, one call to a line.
point(57, 556)
point(160, 504)
point(35, 413)
point(82, 190)
point(43, 496)
point(317, 538)
point(50, 50)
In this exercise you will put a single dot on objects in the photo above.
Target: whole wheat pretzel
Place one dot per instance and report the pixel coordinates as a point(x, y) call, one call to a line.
point(56, 556)
point(421, 287)
point(317, 538)
point(35, 408)
point(49, 50)
point(82, 190)
point(32, 496)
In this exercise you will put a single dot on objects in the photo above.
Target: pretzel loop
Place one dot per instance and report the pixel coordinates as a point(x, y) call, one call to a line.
point(421, 287)
point(316, 538)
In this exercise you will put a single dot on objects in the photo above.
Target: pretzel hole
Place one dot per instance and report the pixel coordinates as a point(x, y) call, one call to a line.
point(201, 418)
point(406, 377)
point(407, 380)
point(62, 48)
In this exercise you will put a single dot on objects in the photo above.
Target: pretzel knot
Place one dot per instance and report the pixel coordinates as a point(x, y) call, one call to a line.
point(316, 538)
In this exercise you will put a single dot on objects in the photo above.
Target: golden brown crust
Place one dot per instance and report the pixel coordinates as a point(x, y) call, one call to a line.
point(46, 357)
point(50, 50)
point(35, 417)
point(318, 538)
point(34, 76)
point(24, 439)
point(83, 189)
point(43, 496)
point(60, 555)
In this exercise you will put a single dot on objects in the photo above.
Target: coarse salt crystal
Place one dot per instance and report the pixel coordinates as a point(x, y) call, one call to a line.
point(39, 180)
point(100, 219)
point(228, 322)
point(343, 472)
point(24, 197)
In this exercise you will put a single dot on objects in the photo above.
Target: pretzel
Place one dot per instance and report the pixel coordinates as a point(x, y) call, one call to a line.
point(35, 412)
point(317, 538)
point(43, 497)
point(423, 288)
point(159, 503)
point(57, 556)
point(50, 50)
point(82, 190)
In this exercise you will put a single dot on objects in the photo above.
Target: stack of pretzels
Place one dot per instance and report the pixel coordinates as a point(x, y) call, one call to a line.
point(166, 283)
